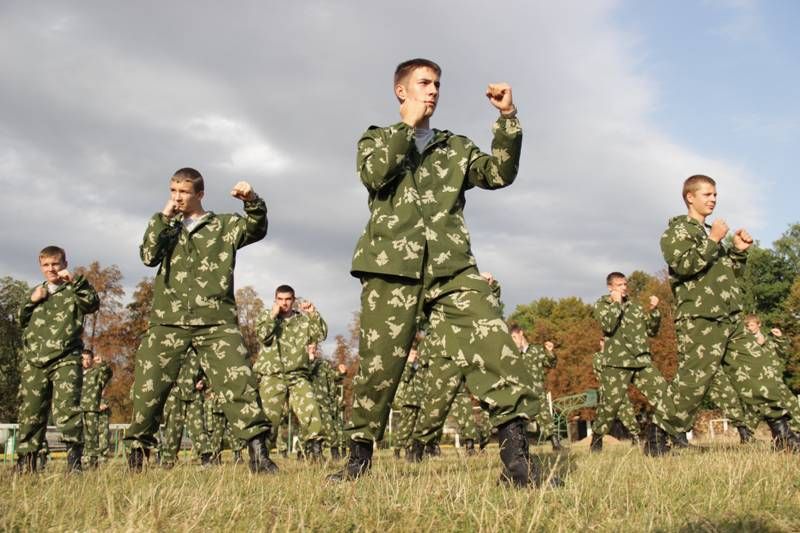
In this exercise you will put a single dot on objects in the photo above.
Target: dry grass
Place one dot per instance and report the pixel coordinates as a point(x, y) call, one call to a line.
point(713, 487)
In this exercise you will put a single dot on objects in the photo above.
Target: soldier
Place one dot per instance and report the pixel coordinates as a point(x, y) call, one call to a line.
point(704, 276)
point(103, 431)
point(184, 409)
point(325, 381)
point(626, 354)
point(52, 325)
point(406, 403)
point(284, 367)
point(537, 360)
point(95, 378)
point(414, 260)
point(194, 308)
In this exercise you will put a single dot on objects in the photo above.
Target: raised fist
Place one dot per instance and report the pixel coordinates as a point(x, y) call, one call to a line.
point(39, 293)
point(243, 191)
point(718, 230)
point(499, 94)
point(742, 240)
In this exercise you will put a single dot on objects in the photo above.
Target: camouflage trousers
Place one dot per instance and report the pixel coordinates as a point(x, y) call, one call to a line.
point(104, 433)
point(297, 393)
point(464, 315)
point(223, 358)
point(221, 437)
point(91, 433)
point(180, 415)
point(614, 400)
point(331, 423)
point(722, 394)
point(58, 384)
point(464, 415)
point(405, 419)
point(543, 419)
point(709, 347)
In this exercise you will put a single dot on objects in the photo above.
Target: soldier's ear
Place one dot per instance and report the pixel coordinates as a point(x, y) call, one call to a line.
point(400, 92)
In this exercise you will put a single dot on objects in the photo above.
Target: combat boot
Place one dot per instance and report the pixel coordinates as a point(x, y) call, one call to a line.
point(469, 447)
point(94, 462)
point(166, 464)
point(518, 470)
point(335, 454)
point(745, 435)
point(783, 438)
point(358, 463)
point(433, 449)
point(679, 440)
point(596, 445)
point(656, 441)
point(415, 452)
point(259, 456)
point(206, 459)
point(26, 464)
point(42, 461)
point(136, 459)
point(74, 455)
point(314, 450)
point(555, 442)
point(396, 453)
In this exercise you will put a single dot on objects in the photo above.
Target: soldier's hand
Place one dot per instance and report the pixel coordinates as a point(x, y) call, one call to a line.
point(616, 296)
point(312, 351)
point(776, 332)
point(308, 307)
point(342, 368)
point(103, 407)
point(39, 293)
point(549, 346)
point(243, 191)
point(488, 276)
point(413, 112)
point(499, 94)
point(653, 301)
point(718, 230)
point(199, 385)
point(65, 276)
point(742, 240)
point(275, 311)
point(170, 209)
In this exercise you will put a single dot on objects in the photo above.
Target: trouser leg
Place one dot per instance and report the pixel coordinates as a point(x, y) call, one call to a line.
point(614, 393)
point(303, 403)
point(35, 396)
point(441, 383)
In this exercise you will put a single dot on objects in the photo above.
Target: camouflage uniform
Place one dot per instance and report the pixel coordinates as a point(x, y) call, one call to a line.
point(626, 359)
point(95, 379)
point(104, 435)
point(414, 259)
point(464, 415)
point(220, 434)
point(537, 360)
point(184, 408)
point(406, 405)
point(325, 381)
point(51, 363)
point(194, 308)
point(284, 368)
point(626, 414)
point(704, 276)
point(775, 350)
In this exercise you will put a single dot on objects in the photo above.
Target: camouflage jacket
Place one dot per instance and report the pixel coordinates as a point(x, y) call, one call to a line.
point(95, 380)
point(776, 349)
point(52, 328)
point(408, 392)
point(194, 283)
point(284, 341)
point(537, 359)
point(325, 380)
point(188, 376)
point(416, 201)
point(704, 275)
point(626, 327)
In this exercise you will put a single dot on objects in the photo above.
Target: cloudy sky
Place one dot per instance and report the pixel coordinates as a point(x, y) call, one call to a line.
point(101, 101)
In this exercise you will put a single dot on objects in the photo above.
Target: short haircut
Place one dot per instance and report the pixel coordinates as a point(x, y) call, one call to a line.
point(87, 351)
point(752, 318)
point(614, 275)
point(53, 251)
point(407, 67)
point(515, 328)
point(284, 289)
point(191, 175)
point(693, 183)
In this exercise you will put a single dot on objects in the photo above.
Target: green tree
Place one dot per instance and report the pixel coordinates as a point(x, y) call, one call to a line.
point(788, 247)
point(767, 281)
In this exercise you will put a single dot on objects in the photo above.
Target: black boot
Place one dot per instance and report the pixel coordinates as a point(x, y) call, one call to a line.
point(783, 438)
point(555, 442)
point(432, 449)
point(656, 441)
point(259, 455)
point(745, 435)
point(597, 443)
point(396, 453)
point(136, 459)
point(94, 462)
point(358, 462)
point(518, 469)
point(74, 455)
point(335, 455)
point(680, 440)
point(415, 452)
point(26, 464)
point(206, 459)
point(314, 450)
point(469, 447)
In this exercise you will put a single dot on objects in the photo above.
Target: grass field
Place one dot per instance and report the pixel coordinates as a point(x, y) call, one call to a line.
point(712, 487)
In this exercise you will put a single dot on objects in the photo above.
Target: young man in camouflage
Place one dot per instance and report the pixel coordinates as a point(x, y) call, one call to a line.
point(52, 325)
point(95, 379)
point(184, 409)
point(194, 309)
point(704, 276)
point(538, 360)
point(626, 325)
point(414, 260)
point(283, 365)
